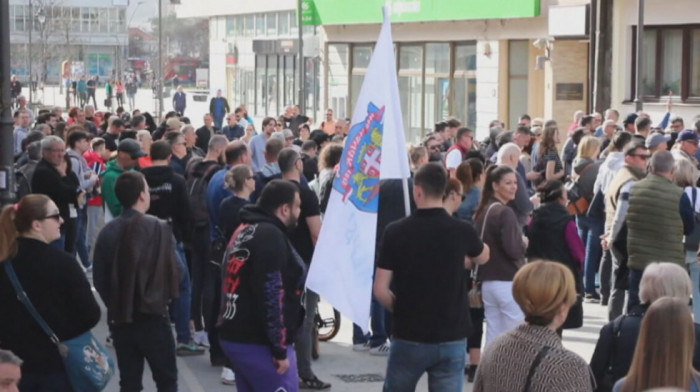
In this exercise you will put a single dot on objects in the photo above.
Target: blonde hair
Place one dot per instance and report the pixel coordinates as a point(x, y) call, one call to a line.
point(664, 353)
point(684, 173)
point(588, 147)
point(664, 280)
point(540, 288)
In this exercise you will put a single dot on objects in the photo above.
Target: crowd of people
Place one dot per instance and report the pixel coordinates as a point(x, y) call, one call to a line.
point(199, 239)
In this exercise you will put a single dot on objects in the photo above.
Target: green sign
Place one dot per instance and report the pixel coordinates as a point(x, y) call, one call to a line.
point(334, 12)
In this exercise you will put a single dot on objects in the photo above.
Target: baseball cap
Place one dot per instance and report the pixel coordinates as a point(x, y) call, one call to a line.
point(630, 119)
point(654, 139)
point(131, 147)
point(687, 135)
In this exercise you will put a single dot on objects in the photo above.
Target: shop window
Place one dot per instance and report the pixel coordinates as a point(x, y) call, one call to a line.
point(260, 85)
point(670, 62)
point(411, 90)
point(272, 103)
point(464, 82)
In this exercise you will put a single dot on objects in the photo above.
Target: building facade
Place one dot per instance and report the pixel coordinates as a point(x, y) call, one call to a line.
point(254, 54)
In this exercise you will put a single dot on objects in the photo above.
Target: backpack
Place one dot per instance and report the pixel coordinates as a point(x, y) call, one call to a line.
point(197, 182)
point(22, 185)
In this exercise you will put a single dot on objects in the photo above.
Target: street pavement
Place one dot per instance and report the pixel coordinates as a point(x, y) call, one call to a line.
point(338, 364)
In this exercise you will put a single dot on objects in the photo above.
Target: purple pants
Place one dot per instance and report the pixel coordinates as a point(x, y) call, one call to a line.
point(255, 371)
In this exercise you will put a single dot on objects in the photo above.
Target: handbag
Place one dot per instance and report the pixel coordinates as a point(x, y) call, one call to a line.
point(476, 301)
point(578, 204)
point(540, 355)
point(88, 365)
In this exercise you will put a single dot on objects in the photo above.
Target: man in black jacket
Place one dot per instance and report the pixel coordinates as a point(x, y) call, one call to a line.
point(169, 202)
point(263, 279)
point(53, 178)
point(136, 274)
point(218, 107)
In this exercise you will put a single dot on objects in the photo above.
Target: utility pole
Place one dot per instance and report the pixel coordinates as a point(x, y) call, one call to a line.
point(638, 100)
point(7, 177)
point(31, 27)
point(159, 82)
point(302, 73)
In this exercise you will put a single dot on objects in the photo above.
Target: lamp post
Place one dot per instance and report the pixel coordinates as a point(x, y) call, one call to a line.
point(29, 54)
point(159, 81)
point(638, 100)
point(7, 188)
point(41, 18)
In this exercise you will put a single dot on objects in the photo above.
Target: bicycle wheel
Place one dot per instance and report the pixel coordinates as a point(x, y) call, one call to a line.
point(327, 327)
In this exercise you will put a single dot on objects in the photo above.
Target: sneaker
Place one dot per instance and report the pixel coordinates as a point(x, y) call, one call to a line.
point(228, 377)
point(109, 342)
point(381, 350)
point(187, 349)
point(592, 298)
point(313, 383)
point(361, 347)
point(201, 339)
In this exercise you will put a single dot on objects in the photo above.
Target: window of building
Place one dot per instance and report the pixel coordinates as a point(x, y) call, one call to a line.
point(338, 73)
point(260, 25)
point(272, 108)
point(76, 19)
point(437, 82)
point(669, 62)
point(411, 90)
point(19, 17)
point(249, 25)
point(230, 26)
point(239, 25)
point(294, 30)
point(360, 61)
point(104, 19)
point(464, 79)
point(518, 53)
point(283, 24)
point(290, 76)
point(271, 21)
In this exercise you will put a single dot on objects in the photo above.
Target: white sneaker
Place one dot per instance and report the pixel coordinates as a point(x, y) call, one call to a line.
point(381, 350)
point(201, 338)
point(228, 377)
point(362, 347)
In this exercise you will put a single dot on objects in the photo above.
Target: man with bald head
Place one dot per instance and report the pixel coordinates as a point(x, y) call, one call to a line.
point(509, 155)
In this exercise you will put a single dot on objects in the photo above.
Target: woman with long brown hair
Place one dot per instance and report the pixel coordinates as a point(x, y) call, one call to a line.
point(664, 353)
point(498, 227)
point(548, 162)
point(55, 284)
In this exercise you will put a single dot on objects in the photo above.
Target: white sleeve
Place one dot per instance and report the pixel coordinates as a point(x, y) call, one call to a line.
point(453, 159)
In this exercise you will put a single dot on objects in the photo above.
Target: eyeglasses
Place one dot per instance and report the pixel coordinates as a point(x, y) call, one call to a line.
point(643, 156)
point(56, 216)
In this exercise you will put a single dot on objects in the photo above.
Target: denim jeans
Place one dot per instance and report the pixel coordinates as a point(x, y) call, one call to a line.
point(304, 341)
point(81, 242)
point(590, 230)
point(95, 221)
point(181, 305)
point(444, 363)
point(691, 261)
point(380, 322)
point(633, 296)
point(148, 340)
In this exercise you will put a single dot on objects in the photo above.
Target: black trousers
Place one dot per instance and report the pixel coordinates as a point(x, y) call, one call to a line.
point(201, 283)
point(216, 354)
point(145, 340)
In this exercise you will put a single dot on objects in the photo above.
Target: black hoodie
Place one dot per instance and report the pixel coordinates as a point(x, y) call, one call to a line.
point(169, 199)
point(263, 281)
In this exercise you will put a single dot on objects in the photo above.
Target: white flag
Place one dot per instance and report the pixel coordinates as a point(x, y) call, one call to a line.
point(343, 263)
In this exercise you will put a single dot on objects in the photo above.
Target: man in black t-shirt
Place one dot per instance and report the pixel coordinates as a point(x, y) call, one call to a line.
point(303, 238)
point(428, 294)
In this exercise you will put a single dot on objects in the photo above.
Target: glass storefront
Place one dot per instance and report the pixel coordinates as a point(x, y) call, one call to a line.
point(436, 80)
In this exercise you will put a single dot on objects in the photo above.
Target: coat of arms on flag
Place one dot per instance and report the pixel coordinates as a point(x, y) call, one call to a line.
point(358, 179)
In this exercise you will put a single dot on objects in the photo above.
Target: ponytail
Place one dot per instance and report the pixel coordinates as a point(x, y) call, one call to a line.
point(17, 219)
point(8, 233)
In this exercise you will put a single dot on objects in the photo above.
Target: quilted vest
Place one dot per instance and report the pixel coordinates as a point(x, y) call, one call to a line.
point(654, 224)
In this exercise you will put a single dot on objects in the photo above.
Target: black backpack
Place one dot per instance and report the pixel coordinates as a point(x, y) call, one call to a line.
point(197, 181)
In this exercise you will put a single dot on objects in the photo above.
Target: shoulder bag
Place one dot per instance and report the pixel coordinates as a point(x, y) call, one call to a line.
point(475, 299)
point(540, 355)
point(88, 365)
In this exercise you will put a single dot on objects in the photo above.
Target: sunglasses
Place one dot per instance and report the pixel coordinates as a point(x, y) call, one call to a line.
point(56, 216)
